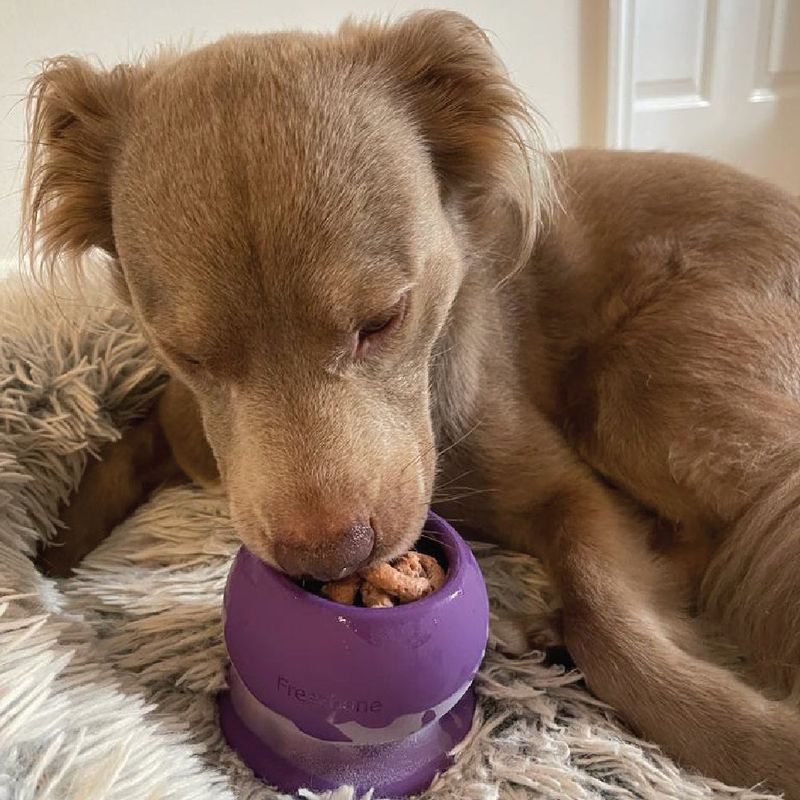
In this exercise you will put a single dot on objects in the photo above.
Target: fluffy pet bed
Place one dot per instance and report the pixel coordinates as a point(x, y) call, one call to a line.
point(107, 680)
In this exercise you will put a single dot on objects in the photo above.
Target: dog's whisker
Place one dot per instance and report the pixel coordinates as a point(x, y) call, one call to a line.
point(440, 353)
point(460, 493)
point(449, 447)
point(439, 499)
point(461, 438)
point(417, 458)
point(446, 546)
point(454, 479)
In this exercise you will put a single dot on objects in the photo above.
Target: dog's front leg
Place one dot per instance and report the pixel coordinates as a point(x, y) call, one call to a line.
point(638, 652)
point(110, 489)
point(168, 446)
point(626, 631)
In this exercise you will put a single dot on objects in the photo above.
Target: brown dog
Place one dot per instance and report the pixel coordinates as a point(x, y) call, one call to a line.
point(349, 258)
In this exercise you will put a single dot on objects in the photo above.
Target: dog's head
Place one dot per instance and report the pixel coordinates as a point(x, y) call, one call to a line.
point(291, 217)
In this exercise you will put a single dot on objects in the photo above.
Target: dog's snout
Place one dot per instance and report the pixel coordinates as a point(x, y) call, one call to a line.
point(326, 556)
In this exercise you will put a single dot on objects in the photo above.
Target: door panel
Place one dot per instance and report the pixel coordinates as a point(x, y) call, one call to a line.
point(715, 77)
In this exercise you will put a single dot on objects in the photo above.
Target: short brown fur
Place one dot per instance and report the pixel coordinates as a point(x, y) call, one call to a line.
point(611, 381)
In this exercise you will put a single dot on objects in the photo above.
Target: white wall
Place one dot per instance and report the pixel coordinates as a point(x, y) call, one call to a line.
point(554, 49)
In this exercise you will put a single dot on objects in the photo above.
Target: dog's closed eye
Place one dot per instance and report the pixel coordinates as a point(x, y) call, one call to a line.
point(373, 330)
point(189, 360)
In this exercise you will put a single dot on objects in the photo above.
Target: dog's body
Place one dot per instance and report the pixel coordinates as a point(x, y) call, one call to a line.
point(620, 398)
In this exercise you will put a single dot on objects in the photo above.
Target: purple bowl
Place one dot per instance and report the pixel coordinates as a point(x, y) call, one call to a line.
point(322, 694)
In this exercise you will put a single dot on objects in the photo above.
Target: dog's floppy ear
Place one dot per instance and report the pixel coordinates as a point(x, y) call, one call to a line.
point(75, 116)
point(481, 132)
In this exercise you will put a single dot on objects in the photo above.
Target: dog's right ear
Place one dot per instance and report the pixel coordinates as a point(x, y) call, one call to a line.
point(76, 114)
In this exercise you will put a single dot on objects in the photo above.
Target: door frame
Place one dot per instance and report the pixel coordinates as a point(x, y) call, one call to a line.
point(619, 102)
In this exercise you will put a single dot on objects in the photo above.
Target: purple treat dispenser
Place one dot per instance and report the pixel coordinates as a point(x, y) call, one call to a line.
point(323, 694)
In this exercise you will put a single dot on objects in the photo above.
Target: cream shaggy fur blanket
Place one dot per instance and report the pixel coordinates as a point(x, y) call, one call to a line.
point(108, 679)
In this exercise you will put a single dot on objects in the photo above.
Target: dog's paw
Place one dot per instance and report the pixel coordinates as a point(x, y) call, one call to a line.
point(519, 633)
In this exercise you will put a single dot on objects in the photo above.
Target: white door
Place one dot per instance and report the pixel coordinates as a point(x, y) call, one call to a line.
point(715, 77)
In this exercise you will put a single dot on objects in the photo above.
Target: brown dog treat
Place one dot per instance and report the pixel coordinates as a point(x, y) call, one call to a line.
point(344, 591)
point(410, 565)
point(374, 597)
point(433, 571)
point(403, 580)
point(409, 577)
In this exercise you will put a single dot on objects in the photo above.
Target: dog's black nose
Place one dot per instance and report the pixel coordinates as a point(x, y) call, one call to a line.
point(326, 557)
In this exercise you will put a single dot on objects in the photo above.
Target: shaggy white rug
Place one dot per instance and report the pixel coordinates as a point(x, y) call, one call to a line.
point(107, 680)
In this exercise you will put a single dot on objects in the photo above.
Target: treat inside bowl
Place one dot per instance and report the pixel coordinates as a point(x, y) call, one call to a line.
point(411, 576)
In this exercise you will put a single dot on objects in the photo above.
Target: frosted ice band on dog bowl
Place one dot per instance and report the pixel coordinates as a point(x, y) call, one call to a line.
point(323, 694)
